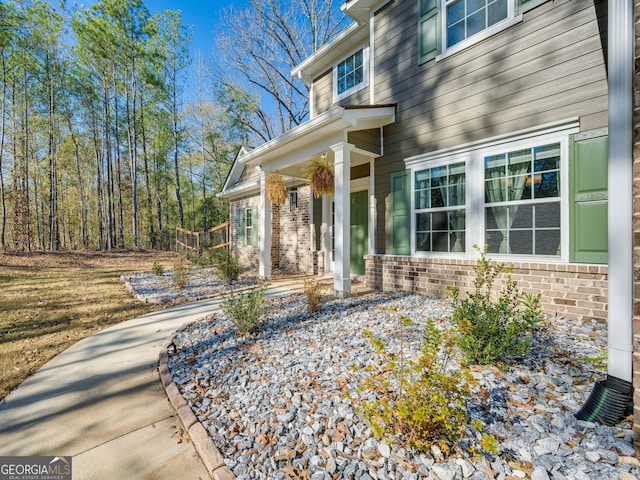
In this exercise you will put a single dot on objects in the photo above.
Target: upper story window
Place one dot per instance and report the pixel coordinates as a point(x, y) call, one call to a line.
point(351, 74)
point(465, 18)
point(448, 26)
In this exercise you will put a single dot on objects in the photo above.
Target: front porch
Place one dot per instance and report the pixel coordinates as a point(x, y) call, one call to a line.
point(341, 226)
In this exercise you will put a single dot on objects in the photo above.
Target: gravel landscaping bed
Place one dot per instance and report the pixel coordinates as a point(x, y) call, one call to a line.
point(201, 283)
point(283, 403)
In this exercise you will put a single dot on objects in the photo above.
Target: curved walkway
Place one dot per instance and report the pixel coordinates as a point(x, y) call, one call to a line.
point(102, 402)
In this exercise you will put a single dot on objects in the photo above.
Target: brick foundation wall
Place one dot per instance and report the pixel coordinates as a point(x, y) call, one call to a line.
point(316, 264)
point(572, 290)
point(636, 231)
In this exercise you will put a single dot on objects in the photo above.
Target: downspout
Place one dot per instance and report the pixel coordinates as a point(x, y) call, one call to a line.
point(610, 400)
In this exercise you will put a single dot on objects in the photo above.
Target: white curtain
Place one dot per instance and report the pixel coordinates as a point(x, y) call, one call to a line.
point(500, 188)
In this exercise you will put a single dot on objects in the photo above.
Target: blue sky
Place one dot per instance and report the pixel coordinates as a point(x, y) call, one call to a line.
point(202, 14)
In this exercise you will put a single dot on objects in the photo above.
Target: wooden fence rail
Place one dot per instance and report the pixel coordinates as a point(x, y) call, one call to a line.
point(186, 240)
point(216, 237)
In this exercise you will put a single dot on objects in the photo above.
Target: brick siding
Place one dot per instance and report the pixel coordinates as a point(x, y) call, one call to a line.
point(290, 234)
point(572, 290)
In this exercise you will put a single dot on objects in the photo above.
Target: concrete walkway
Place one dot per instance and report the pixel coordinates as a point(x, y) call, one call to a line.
point(101, 401)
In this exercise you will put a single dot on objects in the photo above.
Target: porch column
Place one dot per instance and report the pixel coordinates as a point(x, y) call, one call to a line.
point(264, 222)
point(372, 207)
point(342, 166)
point(325, 239)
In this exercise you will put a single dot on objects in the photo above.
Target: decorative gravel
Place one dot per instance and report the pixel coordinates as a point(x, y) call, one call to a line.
point(201, 283)
point(282, 403)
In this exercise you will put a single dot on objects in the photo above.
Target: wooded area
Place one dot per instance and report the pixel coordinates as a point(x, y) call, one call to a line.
point(96, 148)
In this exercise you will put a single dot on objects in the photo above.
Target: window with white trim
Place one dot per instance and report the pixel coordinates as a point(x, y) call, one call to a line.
point(510, 194)
point(249, 227)
point(465, 18)
point(440, 198)
point(351, 74)
point(522, 201)
point(448, 26)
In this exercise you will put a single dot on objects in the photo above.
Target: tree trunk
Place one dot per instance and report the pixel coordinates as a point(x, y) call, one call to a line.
point(152, 234)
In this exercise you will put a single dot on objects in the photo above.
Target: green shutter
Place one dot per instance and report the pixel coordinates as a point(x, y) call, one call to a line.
point(523, 6)
point(240, 226)
point(400, 213)
point(254, 226)
point(588, 197)
point(429, 37)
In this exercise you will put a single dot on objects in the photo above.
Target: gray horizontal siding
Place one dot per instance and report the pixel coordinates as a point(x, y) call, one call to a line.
point(322, 92)
point(547, 68)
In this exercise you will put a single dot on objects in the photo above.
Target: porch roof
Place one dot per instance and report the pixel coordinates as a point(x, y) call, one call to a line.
point(317, 135)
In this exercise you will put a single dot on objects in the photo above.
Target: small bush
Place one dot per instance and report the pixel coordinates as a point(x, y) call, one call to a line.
point(157, 269)
point(180, 273)
point(422, 402)
point(227, 265)
point(313, 290)
point(245, 310)
point(491, 330)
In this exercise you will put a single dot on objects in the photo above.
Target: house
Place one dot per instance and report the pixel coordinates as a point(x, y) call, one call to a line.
point(455, 123)
point(449, 124)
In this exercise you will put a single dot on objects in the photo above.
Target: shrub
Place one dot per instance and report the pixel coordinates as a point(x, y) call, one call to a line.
point(490, 331)
point(245, 310)
point(420, 403)
point(313, 290)
point(227, 265)
point(157, 269)
point(180, 272)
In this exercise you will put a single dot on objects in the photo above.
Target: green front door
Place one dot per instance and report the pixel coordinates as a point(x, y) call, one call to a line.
point(359, 231)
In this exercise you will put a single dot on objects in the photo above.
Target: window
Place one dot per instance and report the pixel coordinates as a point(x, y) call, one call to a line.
point(468, 17)
point(440, 198)
point(522, 201)
point(249, 226)
point(448, 26)
point(351, 74)
point(511, 193)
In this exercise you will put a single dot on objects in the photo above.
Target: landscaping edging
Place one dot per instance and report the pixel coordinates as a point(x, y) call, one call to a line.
point(209, 453)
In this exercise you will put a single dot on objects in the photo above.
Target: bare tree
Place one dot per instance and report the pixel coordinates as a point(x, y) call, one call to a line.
point(256, 48)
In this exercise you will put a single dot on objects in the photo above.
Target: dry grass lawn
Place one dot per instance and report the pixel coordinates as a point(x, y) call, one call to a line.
point(49, 301)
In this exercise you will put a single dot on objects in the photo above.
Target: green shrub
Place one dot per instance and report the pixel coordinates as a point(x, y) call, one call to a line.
point(227, 265)
point(313, 290)
point(180, 273)
point(245, 310)
point(491, 330)
point(157, 269)
point(420, 403)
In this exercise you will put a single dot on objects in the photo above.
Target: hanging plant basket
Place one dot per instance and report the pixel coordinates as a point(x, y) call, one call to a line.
point(320, 174)
point(276, 190)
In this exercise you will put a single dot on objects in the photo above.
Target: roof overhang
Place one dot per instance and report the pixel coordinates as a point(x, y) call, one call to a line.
point(352, 37)
point(289, 152)
point(360, 10)
point(317, 135)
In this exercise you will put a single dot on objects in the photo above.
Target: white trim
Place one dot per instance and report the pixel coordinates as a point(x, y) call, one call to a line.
point(365, 74)
point(372, 56)
point(568, 126)
point(473, 155)
point(510, 20)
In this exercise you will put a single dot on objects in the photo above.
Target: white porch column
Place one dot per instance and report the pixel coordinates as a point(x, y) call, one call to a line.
point(342, 165)
point(264, 222)
point(325, 244)
point(372, 207)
